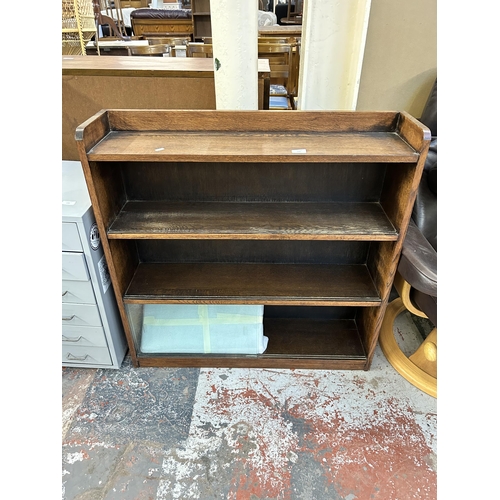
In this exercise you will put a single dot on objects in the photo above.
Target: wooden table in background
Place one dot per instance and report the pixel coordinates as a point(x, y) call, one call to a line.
point(113, 47)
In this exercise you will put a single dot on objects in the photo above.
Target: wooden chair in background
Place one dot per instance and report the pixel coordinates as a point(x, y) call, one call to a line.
point(282, 65)
point(295, 57)
point(178, 45)
point(110, 15)
point(294, 13)
point(168, 40)
point(197, 49)
point(274, 39)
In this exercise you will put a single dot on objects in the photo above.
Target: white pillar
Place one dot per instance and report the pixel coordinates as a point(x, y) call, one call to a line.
point(331, 57)
point(234, 40)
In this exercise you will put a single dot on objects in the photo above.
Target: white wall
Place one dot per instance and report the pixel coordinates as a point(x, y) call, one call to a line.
point(400, 61)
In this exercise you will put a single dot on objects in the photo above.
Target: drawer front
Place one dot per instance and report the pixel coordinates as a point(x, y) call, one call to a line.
point(88, 355)
point(80, 315)
point(77, 292)
point(83, 336)
point(74, 267)
point(70, 238)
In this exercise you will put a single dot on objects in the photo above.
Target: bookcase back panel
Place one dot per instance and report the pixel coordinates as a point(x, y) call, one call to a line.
point(253, 181)
point(306, 312)
point(301, 252)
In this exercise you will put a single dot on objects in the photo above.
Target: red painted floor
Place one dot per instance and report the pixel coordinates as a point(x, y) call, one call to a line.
point(248, 434)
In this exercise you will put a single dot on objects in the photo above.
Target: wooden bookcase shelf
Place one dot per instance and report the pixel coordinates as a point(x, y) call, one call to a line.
point(261, 221)
point(249, 283)
point(303, 212)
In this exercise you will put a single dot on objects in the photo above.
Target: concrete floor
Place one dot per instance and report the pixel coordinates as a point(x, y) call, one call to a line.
point(248, 434)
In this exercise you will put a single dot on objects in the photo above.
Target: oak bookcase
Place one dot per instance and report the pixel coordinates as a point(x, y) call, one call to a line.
point(304, 212)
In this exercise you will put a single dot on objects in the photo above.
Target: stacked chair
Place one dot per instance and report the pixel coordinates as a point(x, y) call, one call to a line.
point(177, 45)
point(199, 49)
point(283, 55)
point(284, 65)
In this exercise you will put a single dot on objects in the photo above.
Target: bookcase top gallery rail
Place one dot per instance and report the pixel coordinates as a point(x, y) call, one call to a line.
point(249, 136)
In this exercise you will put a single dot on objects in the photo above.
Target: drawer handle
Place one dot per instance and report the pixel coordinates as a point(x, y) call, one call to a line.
point(68, 318)
point(68, 339)
point(76, 358)
point(64, 293)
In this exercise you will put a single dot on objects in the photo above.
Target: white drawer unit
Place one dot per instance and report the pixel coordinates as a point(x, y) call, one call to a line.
point(74, 266)
point(92, 331)
point(83, 336)
point(80, 315)
point(77, 292)
point(71, 238)
point(88, 356)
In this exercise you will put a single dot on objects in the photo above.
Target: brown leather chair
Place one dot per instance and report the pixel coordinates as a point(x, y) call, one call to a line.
point(416, 278)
